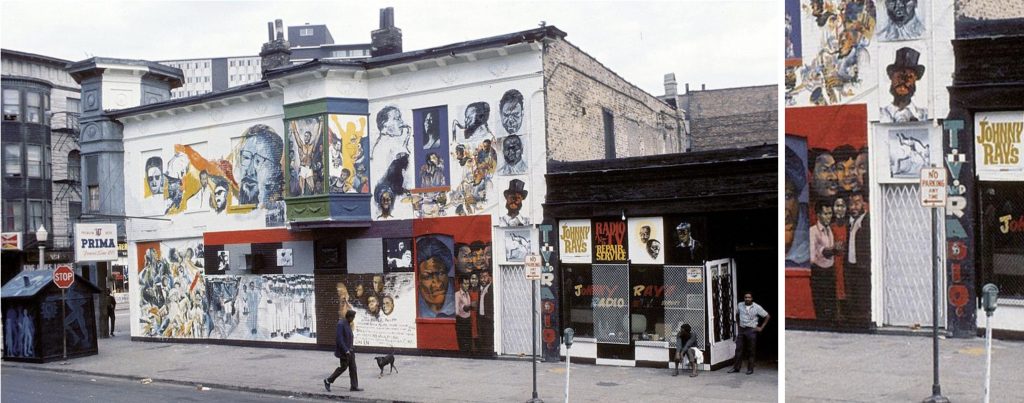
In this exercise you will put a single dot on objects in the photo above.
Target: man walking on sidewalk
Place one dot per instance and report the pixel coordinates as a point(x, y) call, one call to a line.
point(748, 315)
point(111, 304)
point(343, 350)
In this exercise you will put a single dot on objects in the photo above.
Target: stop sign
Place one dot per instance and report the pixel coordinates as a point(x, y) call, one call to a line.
point(63, 277)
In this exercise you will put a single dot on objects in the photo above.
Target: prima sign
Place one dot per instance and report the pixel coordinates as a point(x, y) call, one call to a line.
point(95, 242)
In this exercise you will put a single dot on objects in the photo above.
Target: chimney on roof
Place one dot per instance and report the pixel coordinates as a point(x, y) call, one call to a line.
point(388, 39)
point(671, 86)
point(687, 88)
point(702, 87)
point(276, 53)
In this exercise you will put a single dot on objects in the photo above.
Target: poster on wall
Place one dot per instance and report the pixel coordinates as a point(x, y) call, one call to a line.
point(574, 241)
point(686, 237)
point(518, 244)
point(385, 308)
point(95, 242)
point(435, 273)
point(430, 128)
point(397, 255)
point(793, 44)
point(284, 257)
point(305, 146)
point(909, 151)
point(902, 20)
point(646, 240)
point(347, 159)
point(999, 145)
point(610, 241)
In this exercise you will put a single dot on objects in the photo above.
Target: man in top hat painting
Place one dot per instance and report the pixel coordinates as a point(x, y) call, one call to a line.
point(514, 196)
point(903, 76)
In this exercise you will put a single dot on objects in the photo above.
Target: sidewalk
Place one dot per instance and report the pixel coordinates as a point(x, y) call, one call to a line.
point(823, 367)
point(421, 379)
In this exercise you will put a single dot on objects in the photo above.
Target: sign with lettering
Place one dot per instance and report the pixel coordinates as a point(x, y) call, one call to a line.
point(12, 241)
point(998, 145)
point(95, 242)
point(610, 241)
point(646, 240)
point(574, 241)
point(933, 187)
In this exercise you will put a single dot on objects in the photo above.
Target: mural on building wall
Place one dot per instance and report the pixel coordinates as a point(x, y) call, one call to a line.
point(435, 272)
point(450, 252)
point(250, 175)
point(512, 112)
point(472, 178)
point(796, 214)
point(385, 308)
point(646, 240)
point(390, 163)
point(19, 331)
point(154, 177)
point(348, 161)
point(845, 29)
point(172, 302)
point(909, 151)
point(475, 126)
point(793, 47)
point(178, 301)
point(839, 232)
point(430, 126)
point(517, 245)
point(397, 255)
point(902, 20)
point(960, 244)
point(513, 155)
point(515, 197)
point(905, 74)
point(305, 144)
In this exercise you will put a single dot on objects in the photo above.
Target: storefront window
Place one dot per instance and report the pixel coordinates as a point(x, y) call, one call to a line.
point(646, 302)
point(578, 300)
point(1002, 236)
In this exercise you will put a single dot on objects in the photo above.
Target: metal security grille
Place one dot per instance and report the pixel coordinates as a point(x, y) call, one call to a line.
point(906, 257)
point(690, 308)
point(723, 303)
point(611, 303)
point(515, 311)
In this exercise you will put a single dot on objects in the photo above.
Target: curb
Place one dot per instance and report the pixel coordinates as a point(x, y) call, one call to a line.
point(276, 392)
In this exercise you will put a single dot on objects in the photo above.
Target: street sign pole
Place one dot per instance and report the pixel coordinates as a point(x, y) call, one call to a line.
point(933, 195)
point(63, 277)
point(64, 321)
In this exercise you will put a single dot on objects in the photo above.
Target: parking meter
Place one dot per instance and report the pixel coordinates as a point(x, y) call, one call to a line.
point(568, 337)
point(989, 295)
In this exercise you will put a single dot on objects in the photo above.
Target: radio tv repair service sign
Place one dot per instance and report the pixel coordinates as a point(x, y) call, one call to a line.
point(95, 242)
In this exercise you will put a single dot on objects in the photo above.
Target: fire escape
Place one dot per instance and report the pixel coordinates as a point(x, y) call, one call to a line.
point(64, 129)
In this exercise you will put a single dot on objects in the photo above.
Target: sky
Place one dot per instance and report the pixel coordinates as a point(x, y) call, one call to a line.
point(718, 43)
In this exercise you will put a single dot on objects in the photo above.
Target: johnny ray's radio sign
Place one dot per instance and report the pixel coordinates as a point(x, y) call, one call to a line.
point(95, 242)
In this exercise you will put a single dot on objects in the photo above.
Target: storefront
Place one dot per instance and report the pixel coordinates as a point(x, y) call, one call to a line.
point(647, 244)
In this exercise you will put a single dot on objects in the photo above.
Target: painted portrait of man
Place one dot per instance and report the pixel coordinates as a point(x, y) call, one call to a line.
point(155, 175)
point(904, 74)
point(902, 21)
point(259, 162)
point(511, 110)
point(512, 152)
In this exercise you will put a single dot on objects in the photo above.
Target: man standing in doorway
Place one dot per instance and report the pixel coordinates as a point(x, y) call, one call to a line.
point(746, 340)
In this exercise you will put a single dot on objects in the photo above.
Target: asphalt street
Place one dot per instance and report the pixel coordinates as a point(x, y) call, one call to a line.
point(34, 386)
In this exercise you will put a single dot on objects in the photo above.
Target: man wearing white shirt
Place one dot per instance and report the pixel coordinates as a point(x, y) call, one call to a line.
point(748, 315)
point(823, 274)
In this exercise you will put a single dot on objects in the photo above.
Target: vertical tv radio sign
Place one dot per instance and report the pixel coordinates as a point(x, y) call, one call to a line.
point(95, 242)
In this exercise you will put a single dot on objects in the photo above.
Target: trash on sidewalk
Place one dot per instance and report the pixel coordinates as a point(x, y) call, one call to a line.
point(200, 387)
point(146, 381)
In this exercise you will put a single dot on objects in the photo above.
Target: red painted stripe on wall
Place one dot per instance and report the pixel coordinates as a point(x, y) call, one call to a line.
point(255, 236)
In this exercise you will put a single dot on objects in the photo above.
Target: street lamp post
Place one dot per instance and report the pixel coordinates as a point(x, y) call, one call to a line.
point(41, 236)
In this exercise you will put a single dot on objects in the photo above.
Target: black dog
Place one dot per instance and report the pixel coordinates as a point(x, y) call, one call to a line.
point(385, 361)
